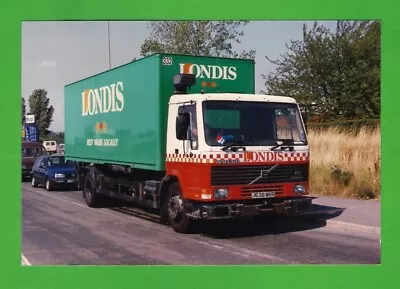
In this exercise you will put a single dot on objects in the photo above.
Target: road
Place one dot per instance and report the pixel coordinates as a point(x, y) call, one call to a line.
point(59, 229)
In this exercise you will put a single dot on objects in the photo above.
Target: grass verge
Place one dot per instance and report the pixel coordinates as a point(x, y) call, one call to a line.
point(345, 163)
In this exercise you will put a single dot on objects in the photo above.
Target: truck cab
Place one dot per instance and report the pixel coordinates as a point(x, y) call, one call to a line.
point(237, 154)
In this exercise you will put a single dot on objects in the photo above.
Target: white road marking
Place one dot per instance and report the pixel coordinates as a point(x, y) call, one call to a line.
point(247, 253)
point(211, 245)
point(225, 247)
point(25, 261)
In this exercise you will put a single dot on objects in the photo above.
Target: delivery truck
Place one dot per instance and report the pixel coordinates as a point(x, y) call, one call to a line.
point(187, 138)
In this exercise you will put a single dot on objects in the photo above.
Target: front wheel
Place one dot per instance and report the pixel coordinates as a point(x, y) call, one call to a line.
point(48, 185)
point(176, 211)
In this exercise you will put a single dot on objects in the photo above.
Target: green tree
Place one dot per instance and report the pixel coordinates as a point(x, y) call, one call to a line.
point(39, 105)
point(200, 38)
point(23, 111)
point(335, 74)
point(57, 136)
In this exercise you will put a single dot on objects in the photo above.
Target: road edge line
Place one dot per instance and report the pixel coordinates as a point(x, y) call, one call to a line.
point(25, 261)
point(346, 225)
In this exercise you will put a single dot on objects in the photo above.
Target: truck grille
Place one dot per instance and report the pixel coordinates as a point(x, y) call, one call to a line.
point(244, 175)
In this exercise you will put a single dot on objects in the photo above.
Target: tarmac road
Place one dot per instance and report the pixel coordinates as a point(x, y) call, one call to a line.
point(59, 229)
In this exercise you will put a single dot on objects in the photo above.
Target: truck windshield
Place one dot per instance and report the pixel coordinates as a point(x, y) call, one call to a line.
point(253, 123)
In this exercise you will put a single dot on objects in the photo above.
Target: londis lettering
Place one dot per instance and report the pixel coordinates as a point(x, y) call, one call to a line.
point(264, 156)
point(209, 71)
point(105, 99)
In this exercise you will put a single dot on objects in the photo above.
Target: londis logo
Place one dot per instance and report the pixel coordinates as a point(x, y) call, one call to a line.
point(101, 126)
point(105, 99)
point(209, 71)
point(264, 157)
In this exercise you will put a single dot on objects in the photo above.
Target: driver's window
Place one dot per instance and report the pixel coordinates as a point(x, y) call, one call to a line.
point(191, 110)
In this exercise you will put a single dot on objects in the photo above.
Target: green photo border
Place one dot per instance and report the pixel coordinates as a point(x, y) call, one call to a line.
point(315, 276)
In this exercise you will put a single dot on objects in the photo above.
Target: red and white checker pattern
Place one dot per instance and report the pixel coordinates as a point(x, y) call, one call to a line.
point(247, 157)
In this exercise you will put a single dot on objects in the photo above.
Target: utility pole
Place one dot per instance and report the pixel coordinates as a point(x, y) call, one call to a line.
point(109, 44)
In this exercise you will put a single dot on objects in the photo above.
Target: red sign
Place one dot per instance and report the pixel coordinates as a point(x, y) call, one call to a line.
point(264, 156)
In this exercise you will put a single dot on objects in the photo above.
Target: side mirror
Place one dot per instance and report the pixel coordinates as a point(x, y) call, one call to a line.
point(181, 126)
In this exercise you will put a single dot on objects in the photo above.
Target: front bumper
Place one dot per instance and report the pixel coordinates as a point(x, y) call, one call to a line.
point(227, 210)
point(63, 182)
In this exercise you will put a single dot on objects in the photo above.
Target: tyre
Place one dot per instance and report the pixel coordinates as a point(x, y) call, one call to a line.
point(33, 182)
point(176, 212)
point(48, 185)
point(89, 191)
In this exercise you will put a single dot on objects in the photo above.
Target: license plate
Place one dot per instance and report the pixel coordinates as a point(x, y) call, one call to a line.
point(262, 195)
point(70, 181)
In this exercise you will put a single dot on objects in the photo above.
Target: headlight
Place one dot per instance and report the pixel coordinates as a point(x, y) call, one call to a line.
point(299, 189)
point(221, 193)
point(59, 175)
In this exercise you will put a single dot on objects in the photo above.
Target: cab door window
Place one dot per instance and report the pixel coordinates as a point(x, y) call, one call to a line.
point(191, 110)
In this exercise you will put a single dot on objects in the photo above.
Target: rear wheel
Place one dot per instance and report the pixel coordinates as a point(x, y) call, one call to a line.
point(176, 211)
point(89, 191)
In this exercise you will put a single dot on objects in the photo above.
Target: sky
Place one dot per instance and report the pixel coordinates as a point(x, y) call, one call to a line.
point(60, 52)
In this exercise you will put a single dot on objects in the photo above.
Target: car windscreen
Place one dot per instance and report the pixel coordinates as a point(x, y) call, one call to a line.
point(58, 161)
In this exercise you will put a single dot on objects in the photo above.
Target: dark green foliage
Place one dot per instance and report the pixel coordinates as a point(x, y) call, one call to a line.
point(199, 38)
point(341, 176)
point(39, 105)
point(334, 75)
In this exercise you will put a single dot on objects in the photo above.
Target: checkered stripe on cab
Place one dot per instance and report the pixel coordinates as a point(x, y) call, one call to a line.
point(237, 157)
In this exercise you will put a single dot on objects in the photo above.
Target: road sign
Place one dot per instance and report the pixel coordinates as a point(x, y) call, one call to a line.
point(30, 118)
point(31, 133)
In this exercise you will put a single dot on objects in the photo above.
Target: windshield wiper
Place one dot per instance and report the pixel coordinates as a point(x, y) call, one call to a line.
point(286, 144)
point(234, 147)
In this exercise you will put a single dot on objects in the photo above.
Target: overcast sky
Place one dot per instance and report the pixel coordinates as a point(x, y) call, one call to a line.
point(57, 53)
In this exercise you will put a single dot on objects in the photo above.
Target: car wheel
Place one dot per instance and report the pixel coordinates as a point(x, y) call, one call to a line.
point(48, 185)
point(33, 182)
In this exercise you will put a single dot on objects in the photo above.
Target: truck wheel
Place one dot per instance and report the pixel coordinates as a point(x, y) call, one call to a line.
point(89, 192)
point(176, 213)
point(34, 183)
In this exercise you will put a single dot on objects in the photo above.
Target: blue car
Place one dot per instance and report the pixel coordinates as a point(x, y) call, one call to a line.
point(53, 171)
